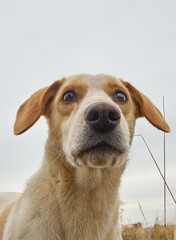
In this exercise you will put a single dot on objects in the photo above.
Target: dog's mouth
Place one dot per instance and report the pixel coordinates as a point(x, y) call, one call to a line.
point(101, 147)
point(101, 154)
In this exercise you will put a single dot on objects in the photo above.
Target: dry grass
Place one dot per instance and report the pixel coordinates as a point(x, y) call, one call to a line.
point(158, 232)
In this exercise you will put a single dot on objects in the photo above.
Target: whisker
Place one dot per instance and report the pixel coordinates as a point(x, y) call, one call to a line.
point(53, 162)
point(51, 228)
point(98, 230)
point(108, 179)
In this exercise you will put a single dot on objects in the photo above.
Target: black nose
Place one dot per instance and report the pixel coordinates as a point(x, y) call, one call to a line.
point(102, 116)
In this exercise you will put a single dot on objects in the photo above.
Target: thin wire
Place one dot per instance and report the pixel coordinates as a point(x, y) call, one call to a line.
point(164, 166)
point(143, 215)
point(140, 135)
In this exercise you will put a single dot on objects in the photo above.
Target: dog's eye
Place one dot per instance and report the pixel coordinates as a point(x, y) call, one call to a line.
point(69, 97)
point(120, 97)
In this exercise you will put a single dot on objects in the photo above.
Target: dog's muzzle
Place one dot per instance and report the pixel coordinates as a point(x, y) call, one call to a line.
point(103, 138)
point(102, 117)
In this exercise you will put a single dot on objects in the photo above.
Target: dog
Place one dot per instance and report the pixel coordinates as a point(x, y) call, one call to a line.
point(74, 195)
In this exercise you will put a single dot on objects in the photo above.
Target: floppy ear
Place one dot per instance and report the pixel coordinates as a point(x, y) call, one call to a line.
point(31, 110)
point(147, 109)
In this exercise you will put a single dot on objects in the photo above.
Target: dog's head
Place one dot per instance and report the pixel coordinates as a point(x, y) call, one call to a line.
point(91, 118)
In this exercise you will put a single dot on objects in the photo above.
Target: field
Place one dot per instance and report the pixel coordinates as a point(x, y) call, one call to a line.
point(158, 232)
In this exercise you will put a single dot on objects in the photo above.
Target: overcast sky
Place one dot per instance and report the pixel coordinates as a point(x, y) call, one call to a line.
point(41, 41)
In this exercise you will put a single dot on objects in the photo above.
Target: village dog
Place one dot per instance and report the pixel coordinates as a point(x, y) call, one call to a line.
point(74, 195)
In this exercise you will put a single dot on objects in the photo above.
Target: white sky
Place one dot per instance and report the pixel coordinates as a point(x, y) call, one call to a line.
point(41, 41)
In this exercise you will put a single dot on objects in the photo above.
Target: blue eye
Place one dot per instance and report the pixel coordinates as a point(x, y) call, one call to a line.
point(120, 97)
point(69, 97)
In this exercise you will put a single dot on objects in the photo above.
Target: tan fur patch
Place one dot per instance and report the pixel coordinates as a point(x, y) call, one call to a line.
point(3, 219)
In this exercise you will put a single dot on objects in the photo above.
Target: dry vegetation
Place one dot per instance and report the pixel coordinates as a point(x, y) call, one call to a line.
point(158, 232)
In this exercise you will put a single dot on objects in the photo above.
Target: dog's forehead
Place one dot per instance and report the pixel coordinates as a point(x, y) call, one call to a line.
point(94, 82)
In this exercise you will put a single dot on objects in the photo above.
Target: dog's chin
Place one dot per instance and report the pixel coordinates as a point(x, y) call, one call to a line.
point(100, 156)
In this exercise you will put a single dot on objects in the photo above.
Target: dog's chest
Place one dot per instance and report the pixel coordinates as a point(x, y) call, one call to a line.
point(89, 214)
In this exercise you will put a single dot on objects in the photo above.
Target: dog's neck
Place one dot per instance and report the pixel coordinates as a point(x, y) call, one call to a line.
point(89, 197)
